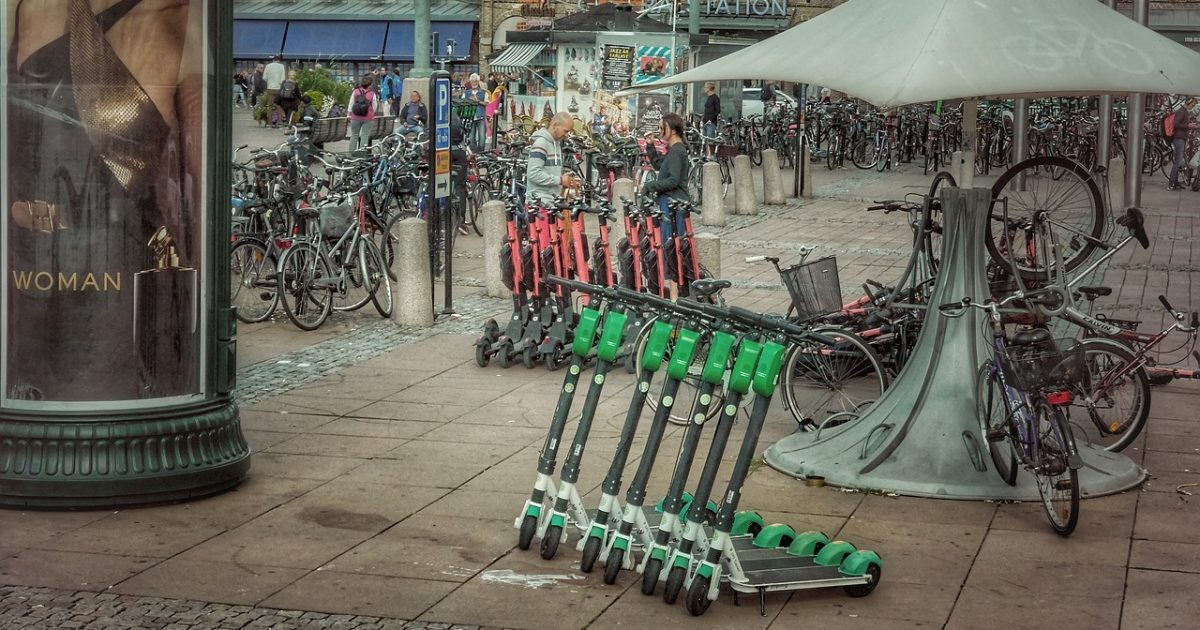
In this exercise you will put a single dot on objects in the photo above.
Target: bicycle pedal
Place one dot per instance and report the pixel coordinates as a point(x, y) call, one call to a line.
point(996, 435)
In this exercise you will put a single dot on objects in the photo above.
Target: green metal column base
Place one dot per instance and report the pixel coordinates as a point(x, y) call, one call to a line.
point(922, 437)
point(126, 459)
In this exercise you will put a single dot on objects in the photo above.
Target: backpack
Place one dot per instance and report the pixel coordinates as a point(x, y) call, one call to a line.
point(361, 106)
point(1169, 125)
point(287, 91)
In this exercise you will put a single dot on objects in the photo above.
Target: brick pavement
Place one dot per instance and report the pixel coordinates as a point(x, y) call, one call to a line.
point(389, 467)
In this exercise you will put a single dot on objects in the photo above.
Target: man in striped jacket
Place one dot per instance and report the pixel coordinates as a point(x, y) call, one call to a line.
point(544, 177)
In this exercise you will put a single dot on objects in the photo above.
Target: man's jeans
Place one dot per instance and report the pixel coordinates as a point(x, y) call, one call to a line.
point(1179, 144)
point(415, 129)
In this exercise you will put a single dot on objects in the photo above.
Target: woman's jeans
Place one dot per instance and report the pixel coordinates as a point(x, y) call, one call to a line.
point(360, 134)
point(1179, 144)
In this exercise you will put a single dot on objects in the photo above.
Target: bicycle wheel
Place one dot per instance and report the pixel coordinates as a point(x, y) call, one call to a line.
point(305, 287)
point(381, 293)
point(688, 388)
point(389, 241)
point(1058, 482)
point(1113, 410)
point(357, 283)
point(993, 417)
point(832, 153)
point(864, 155)
point(1072, 204)
point(932, 222)
point(695, 182)
point(476, 197)
point(820, 380)
point(253, 281)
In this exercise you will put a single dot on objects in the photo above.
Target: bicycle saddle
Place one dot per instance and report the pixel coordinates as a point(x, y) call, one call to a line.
point(1094, 292)
point(1030, 337)
point(706, 287)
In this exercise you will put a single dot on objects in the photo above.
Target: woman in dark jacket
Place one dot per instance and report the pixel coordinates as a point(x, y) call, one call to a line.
point(671, 183)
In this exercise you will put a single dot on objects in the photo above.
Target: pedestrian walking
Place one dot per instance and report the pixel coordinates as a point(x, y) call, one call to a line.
point(385, 92)
point(274, 75)
point(397, 91)
point(712, 113)
point(362, 112)
point(1177, 126)
point(258, 85)
point(289, 97)
point(671, 183)
point(477, 96)
point(240, 88)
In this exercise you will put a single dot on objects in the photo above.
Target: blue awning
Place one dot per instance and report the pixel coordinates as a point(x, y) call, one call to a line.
point(401, 35)
point(313, 39)
point(257, 39)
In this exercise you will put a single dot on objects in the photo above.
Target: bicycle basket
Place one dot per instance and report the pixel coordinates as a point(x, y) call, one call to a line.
point(336, 219)
point(1057, 364)
point(727, 150)
point(814, 287)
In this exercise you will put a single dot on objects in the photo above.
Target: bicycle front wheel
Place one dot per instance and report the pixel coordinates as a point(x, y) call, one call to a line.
point(1112, 410)
point(378, 280)
point(305, 288)
point(253, 281)
point(1058, 482)
point(357, 284)
point(821, 379)
point(993, 424)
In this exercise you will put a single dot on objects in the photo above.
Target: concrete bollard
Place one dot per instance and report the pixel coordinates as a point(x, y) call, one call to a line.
point(495, 231)
point(772, 179)
point(1116, 184)
point(622, 189)
point(744, 201)
point(713, 203)
point(412, 293)
point(708, 252)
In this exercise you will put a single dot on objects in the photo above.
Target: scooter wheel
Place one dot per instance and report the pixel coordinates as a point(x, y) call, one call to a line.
point(862, 590)
point(481, 353)
point(697, 596)
point(591, 551)
point(630, 363)
point(674, 584)
point(504, 355)
point(528, 529)
point(491, 330)
point(552, 358)
point(612, 566)
point(550, 542)
point(528, 358)
point(650, 576)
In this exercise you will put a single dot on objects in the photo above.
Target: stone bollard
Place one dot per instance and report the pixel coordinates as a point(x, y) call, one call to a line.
point(495, 231)
point(772, 179)
point(743, 187)
point(412, 293)
point(713, 208)
point(708, 252)
point(622, 189)
point(1116, 185)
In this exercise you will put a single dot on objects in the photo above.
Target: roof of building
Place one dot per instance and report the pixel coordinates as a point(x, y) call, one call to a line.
point(610, 17)
point(459, 10)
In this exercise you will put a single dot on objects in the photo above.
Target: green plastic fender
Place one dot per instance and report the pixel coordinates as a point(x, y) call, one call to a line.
point(681, 357)
point(610, 336)
point(585, 331)
point(807, 544)
point(766, 374)
point(832, 554)
point(776, 535)
point(744, 521)
point(719, 350)
point(656, 346)
point(743, 366)
point(857, 563)
point(687, 502)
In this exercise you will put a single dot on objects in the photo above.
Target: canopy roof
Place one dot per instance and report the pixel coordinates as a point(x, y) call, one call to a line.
point(894, 53)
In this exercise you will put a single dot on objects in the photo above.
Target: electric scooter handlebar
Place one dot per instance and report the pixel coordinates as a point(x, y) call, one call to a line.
point(583, 287)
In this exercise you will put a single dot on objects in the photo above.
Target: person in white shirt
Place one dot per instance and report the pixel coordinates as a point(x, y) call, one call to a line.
point(274, 75)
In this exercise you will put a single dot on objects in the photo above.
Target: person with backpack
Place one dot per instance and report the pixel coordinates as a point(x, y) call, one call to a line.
point(289, 97)
point(362, 112)
point(1176, 127)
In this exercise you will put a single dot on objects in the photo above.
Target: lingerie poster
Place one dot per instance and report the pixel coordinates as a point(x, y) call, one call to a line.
point(577, 72)
point(103, 148)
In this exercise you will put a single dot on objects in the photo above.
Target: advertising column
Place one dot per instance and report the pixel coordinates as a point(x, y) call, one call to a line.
point(111, 321)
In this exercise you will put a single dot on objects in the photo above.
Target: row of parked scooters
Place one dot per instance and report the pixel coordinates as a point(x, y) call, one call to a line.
point(550, 239)
point(691, 541)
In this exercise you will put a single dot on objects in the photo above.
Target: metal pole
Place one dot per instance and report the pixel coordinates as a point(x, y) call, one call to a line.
point(1135, 133)
point(1020, 139)
point(1104, 127)
point(421, 33)
point(798, 182)
point(693, 17)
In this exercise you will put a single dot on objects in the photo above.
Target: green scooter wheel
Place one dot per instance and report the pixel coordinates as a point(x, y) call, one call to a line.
point(697, 596)
point(550, 542)
point(528, 529)
point(591, 551)
point(674, 584)
point(650, 577)
point(612, 566)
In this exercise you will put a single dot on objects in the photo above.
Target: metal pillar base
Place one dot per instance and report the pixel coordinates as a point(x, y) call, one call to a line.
point(922, 437)
point(153, 457)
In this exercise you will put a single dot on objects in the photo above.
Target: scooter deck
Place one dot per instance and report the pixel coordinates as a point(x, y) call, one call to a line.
point(793, 578)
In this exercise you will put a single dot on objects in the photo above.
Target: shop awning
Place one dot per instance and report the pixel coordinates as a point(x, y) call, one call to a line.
point(313, 39)
point(516, 57)
point(400, 37)
point(257, 39)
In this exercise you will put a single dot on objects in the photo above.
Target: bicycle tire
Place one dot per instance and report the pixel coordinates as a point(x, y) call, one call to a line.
point(864, 155)
point(994, 415)
point(1088, 221)
point(1102, 403)
point(843, 379)
point(253, 280)
point(688, 388)
point(1058, 482)
point(306, 305)
point(381, 283)
point(933, 222)
point(357, 282)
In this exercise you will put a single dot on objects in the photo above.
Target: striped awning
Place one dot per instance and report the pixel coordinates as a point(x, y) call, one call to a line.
point(516, 57)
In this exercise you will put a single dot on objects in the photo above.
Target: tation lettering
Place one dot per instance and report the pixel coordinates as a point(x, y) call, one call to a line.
point(46, 281)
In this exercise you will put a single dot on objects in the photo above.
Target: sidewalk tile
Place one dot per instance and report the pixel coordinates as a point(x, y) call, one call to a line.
point(984, 608)
point(431, 547)
point(73, 571)
point(917, 552)
point(224, 582)
point(891, 605)
point(336, 446)
point(301, 466)
point(1160, 599)
point(369, 595)
point(1165, 556)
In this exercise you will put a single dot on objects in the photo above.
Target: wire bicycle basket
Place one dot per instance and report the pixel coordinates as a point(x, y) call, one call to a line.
point(1052, 365)
point(814, 287)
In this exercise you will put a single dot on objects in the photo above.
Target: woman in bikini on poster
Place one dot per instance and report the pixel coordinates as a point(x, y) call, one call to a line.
point(104, 141)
